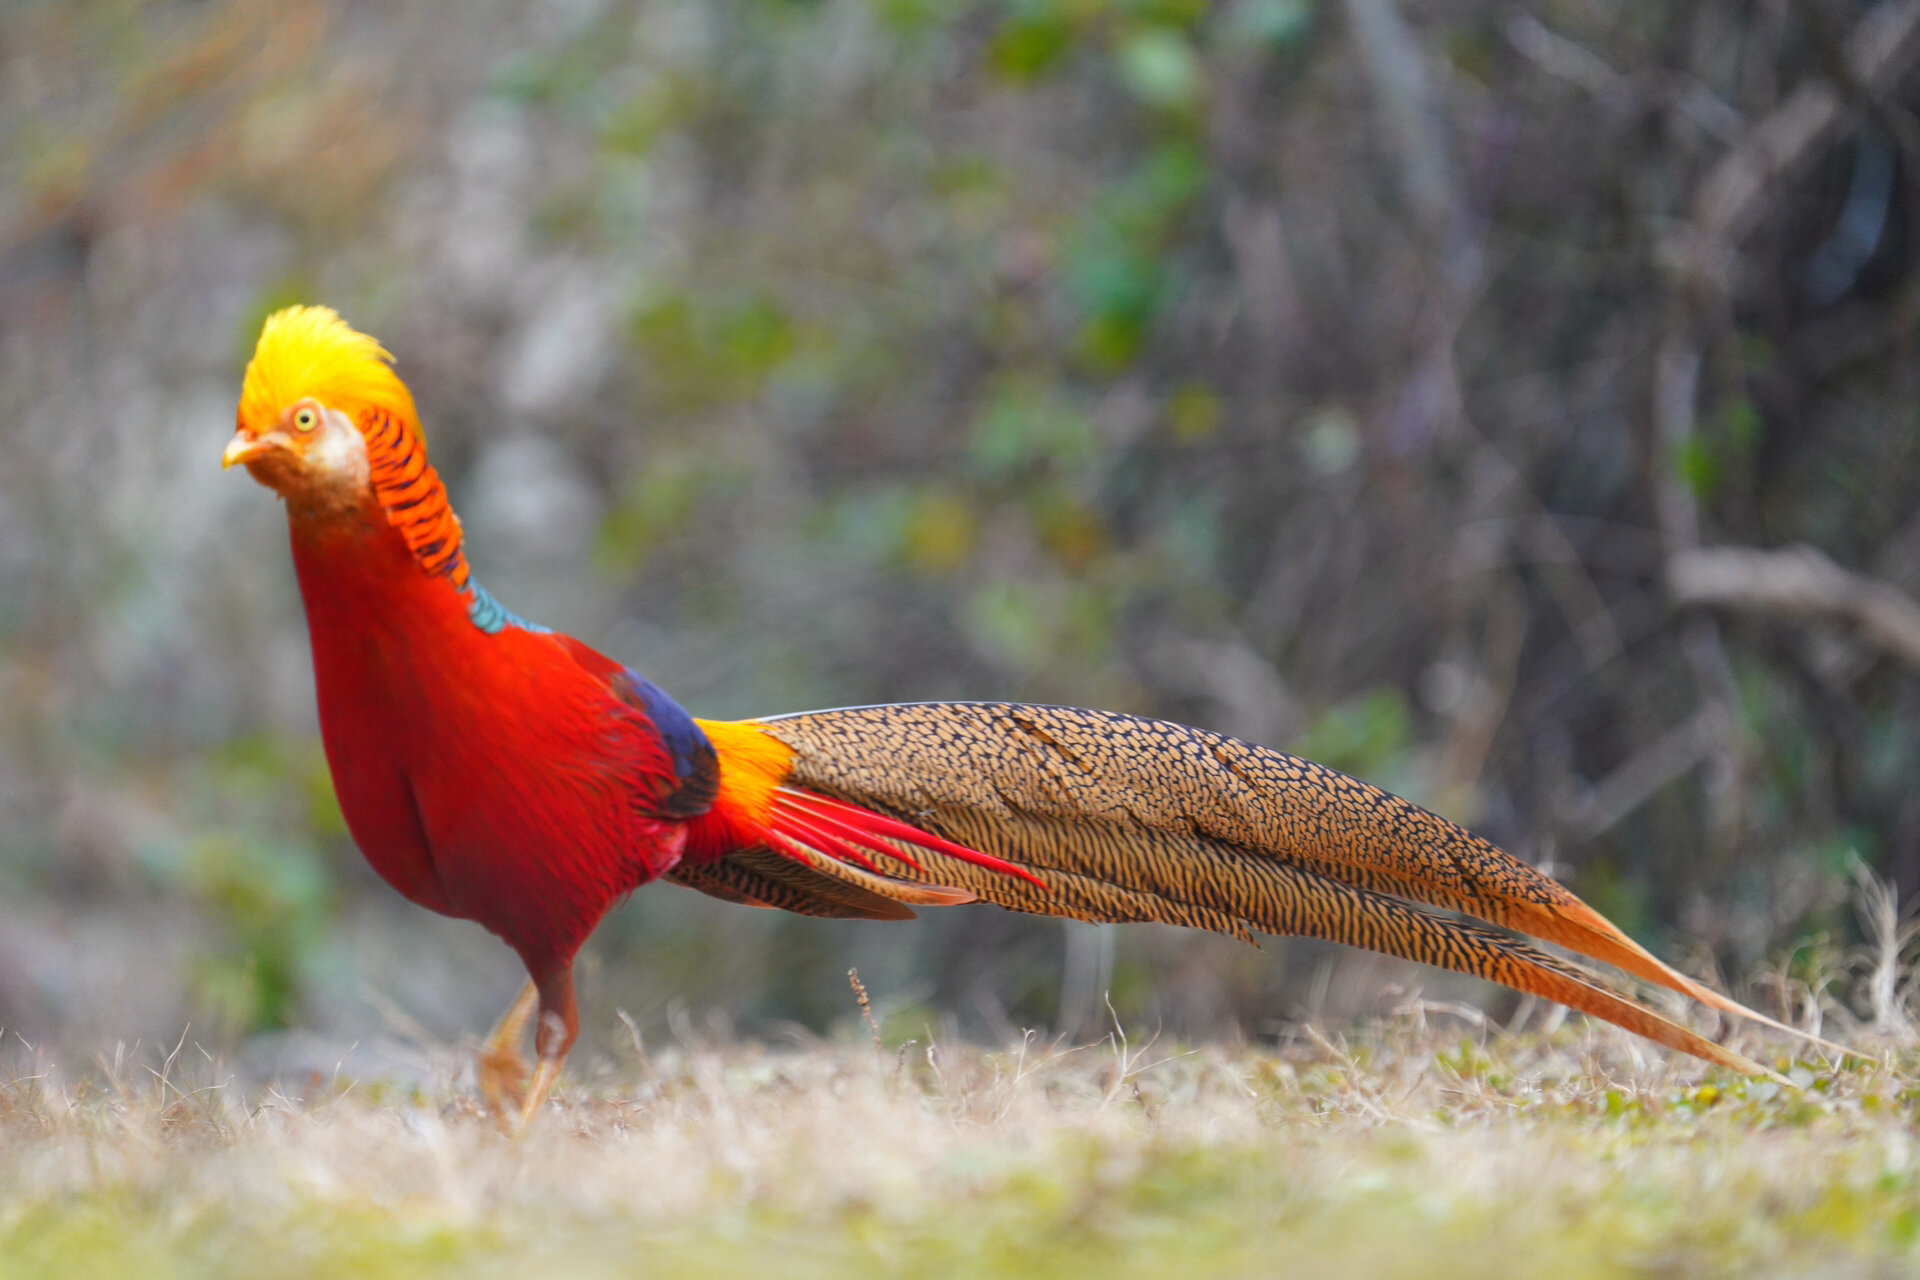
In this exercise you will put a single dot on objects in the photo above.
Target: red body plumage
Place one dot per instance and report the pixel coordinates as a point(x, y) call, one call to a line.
point(498, 777)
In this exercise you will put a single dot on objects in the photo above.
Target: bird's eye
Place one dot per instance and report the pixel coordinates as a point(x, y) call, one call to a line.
point(305, 419)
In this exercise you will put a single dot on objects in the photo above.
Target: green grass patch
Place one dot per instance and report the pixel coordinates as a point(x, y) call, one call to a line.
point(1402, 1155)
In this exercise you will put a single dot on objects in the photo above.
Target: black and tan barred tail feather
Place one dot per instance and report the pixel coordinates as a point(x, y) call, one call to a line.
point(1126, 818)
point(762, 878)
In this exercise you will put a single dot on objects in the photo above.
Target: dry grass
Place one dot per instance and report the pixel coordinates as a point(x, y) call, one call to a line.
point(1407, 1151)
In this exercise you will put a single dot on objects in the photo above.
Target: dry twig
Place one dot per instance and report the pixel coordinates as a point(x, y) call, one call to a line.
point(1801, 582)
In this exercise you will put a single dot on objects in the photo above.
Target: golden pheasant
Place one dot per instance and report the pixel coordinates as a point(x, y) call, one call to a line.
point(497, 771)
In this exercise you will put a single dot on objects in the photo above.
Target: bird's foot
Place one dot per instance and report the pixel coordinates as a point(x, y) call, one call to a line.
point(545, 1072)
point(503, 1081)
point(503, 1071)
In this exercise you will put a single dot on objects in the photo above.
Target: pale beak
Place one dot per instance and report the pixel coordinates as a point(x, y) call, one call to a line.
point(242, 448)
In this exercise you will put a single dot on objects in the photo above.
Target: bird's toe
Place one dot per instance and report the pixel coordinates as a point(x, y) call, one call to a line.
point(503, 1080)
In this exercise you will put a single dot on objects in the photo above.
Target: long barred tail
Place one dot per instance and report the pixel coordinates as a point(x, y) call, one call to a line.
point(1105, 817)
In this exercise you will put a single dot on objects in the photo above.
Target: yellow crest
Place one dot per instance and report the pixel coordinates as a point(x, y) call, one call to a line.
point(311, 352)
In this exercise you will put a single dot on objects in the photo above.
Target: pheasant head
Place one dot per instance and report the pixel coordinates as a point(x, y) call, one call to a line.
point(313, 383)
point(327, 424)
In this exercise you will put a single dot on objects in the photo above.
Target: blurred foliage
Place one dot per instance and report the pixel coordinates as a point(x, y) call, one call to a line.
point(271, 896)
point(1292, 368)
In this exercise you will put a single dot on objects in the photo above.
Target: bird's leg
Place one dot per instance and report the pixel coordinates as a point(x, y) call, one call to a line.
point(503, 1072)
point(553, 1039)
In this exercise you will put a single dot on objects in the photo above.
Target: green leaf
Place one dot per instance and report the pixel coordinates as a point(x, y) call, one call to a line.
point(1029, 423)
point(1331, 442)
point(705, 351)
point(1269, 22)
point(1363, 736)
point(1159, 67)
point(1193, 411)
point(1030, 47)
point(1700, 467)
point(940, 531)
point(1016, 621)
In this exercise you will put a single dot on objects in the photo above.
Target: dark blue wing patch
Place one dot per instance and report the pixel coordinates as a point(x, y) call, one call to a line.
point(696, 766)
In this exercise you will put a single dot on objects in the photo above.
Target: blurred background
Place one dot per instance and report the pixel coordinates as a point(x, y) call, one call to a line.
point(1513, 404)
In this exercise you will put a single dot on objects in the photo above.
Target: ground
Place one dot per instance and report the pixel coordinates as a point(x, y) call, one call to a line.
point(1413, 1150)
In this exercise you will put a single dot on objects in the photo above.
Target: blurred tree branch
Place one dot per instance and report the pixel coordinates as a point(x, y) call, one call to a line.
point(1800, 582)
point(1396, 65)
point(1879, 51)
point(1598, 809)
point(1728, 203)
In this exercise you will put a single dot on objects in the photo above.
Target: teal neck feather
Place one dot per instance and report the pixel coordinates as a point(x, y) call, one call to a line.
point(491, 616)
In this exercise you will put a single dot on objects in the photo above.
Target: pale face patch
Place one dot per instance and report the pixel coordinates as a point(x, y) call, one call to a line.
point(336, 452)
point(313, 456)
